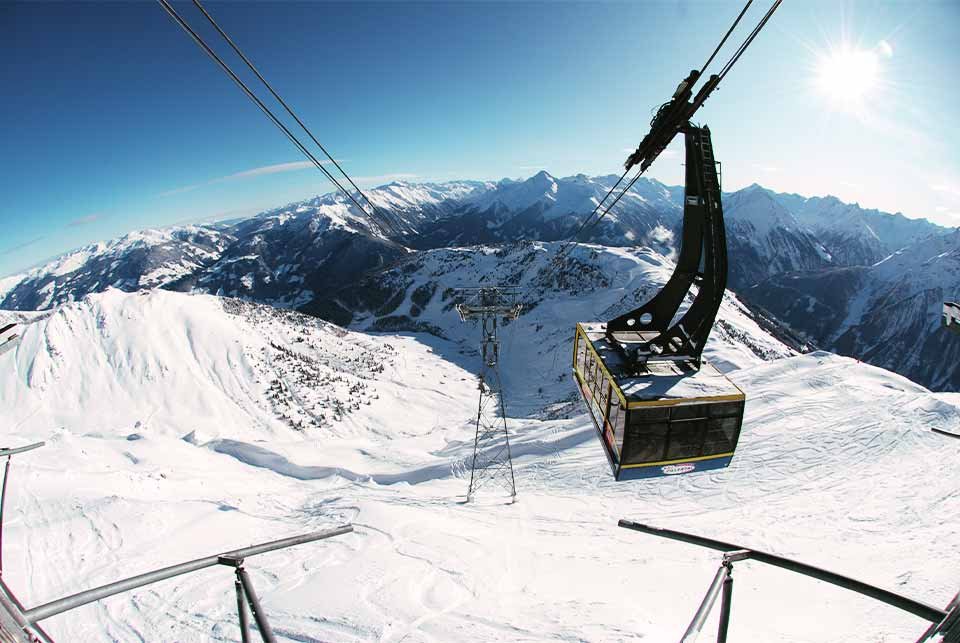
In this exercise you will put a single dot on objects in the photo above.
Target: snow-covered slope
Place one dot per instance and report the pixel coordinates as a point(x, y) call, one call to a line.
point(166, 442)
point(282, 256)
point(765, 239)
point(887, 314)
point(595, 283)
point(147, 259)
point(166, 363)
point(856, 236)
point(299, 255)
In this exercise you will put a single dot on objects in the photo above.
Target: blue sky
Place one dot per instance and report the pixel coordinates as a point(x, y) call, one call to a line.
point(114, 120)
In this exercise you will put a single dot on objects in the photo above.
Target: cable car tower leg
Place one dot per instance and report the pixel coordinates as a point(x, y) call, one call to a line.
point(492, 459)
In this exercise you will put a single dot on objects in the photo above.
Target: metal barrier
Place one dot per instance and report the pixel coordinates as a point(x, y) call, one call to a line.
point(230, 559)
point(945, 622)
point(20, 625)
point(89, 596)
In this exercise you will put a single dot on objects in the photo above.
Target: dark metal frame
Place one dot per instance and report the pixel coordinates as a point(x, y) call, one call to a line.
point(648, 332)
point(946, 622)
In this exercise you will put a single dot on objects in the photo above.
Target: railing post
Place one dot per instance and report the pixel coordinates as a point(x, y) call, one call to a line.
point(242, 611)
point(693, 630)
point(3, 501)
point(725, 597)
point(258, 616)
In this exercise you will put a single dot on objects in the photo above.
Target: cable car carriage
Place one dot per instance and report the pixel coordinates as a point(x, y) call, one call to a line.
point(658, 407)
point(667, 420)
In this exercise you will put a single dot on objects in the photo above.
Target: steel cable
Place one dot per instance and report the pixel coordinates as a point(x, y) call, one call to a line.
point(293, 115)
point(293, 139)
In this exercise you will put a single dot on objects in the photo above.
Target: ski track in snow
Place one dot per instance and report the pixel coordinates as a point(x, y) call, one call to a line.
point(836, 466)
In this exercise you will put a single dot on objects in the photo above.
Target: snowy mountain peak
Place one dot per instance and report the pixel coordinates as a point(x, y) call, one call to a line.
point(760, 208)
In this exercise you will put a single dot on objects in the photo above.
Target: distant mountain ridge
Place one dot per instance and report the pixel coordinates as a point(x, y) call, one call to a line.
point(297, 255)
point(887, 314)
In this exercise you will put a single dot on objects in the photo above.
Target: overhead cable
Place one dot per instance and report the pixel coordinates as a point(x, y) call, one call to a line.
point(246, 90)
point(290, 111)
point(594, 218)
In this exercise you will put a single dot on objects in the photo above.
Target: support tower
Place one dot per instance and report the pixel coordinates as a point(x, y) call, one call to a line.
point(491, 460)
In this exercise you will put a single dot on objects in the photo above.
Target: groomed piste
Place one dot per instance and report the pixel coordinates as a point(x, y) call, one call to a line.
point(829, 448)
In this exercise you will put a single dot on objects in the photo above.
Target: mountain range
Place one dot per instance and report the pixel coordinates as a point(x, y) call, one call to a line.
point(870, 282)
point(179, 424)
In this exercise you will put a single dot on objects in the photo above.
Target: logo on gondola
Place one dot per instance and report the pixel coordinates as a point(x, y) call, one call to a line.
point(674, 469)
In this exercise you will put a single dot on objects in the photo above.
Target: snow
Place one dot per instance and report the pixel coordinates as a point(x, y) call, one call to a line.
point(182, 425)
point(9, 283)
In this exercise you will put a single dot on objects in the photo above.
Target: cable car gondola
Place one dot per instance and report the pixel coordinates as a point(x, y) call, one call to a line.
point(658, 406)
point(951, 316)
point(9, 338)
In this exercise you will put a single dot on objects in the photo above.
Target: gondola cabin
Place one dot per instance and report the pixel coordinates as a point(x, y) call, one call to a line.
point(951, 316)
point(9, 338)
point(673, 418)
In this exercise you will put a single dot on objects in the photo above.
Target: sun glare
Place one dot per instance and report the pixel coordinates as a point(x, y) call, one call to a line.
point(847, 76)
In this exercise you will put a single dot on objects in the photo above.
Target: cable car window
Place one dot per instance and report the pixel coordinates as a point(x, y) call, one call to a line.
point(686, 439)
point(726, 409)
point(721, 435)
point(619, 416)
point(644, 442)
point(581, 353)
point(650, 414)
point(599, 379)
point(689, 411)
point(588, 374)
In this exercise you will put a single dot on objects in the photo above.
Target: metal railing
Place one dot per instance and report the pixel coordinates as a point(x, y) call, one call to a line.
point(29, 618)
point(944, 622)
point(19, 624)
point(232, 559)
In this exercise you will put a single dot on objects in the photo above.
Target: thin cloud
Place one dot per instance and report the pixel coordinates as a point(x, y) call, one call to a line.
point(236, 213)
point(292, 166)
point(385, 178)
point(90, 218)
point(953, 190)
point(26, 244)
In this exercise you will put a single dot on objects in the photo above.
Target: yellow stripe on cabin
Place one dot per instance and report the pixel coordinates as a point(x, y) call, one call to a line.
point(688, 400)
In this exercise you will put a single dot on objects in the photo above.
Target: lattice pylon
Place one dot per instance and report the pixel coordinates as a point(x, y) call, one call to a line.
point(492, 462)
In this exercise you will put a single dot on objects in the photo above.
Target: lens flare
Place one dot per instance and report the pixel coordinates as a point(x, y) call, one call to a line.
point(847, 76)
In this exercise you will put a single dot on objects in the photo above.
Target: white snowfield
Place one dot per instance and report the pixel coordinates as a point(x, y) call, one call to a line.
point(179, 426)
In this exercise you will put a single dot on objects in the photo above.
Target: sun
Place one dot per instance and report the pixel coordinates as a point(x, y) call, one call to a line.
point(848, 76)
